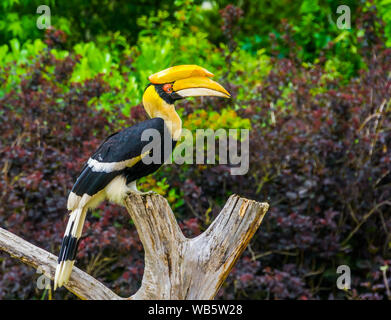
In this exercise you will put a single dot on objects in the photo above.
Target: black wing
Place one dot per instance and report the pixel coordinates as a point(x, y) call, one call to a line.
point(118, 147)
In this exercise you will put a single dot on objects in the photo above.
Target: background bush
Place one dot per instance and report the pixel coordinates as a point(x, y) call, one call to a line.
point(316, 98)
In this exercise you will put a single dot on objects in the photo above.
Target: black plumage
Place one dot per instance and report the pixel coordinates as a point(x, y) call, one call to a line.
point(122, 146)
point(127, 144)
point(90, 182)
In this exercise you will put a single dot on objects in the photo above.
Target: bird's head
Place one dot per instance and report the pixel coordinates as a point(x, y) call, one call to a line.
point(175, 83)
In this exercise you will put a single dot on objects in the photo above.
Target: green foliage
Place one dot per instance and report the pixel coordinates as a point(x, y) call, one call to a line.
point(165, 33)
point(83, 21)
point(18, 19)
point(224, 119)
point(15, 57)
point(161, 44)
point(384, 9)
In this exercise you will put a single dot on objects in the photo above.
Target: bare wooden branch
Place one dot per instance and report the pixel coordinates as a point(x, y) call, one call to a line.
point(81, 284)
point(175, 267)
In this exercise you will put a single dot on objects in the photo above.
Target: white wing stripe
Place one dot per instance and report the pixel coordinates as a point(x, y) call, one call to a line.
point(107, 167)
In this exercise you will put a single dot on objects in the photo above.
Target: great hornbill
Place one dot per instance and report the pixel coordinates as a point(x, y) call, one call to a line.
point(112, 171)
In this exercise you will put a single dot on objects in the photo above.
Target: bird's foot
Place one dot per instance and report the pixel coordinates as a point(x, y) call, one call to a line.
point(148, 193)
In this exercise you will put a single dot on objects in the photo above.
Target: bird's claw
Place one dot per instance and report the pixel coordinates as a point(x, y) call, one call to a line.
point(139, 193)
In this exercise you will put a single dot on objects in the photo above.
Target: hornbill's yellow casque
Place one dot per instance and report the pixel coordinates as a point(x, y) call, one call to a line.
point(112, 171)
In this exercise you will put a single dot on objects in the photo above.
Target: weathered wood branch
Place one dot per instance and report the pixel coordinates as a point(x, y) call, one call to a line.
point(81, 284)
point(175, 267)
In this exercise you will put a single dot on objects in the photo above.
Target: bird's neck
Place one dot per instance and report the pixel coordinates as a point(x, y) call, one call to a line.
point(172, 121)
point(168, 113)
point(156, 107)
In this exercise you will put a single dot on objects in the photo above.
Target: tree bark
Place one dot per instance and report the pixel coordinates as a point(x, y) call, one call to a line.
point(175, 267)
point(81, 284)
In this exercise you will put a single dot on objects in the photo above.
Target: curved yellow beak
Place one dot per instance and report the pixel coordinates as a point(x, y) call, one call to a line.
point(190, 81)
point(179, 72)
point(199, 86)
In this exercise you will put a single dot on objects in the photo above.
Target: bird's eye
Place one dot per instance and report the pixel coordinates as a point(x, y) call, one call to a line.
point(167, 87)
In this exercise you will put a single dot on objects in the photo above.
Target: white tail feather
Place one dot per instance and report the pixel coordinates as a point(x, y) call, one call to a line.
point(74, 229)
